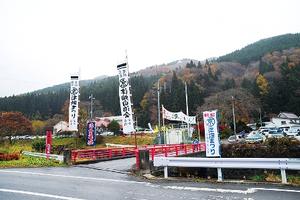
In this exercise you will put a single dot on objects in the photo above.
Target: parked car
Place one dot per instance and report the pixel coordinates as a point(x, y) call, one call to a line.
point(106, 133)
point(297, 136)
point(255, 137)
point(293, 131)
point(278, 133)
point(239, 138)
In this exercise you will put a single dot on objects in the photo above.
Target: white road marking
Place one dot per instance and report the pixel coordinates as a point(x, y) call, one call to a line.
point(248, 191)
point(38, 194)
point(74, 177)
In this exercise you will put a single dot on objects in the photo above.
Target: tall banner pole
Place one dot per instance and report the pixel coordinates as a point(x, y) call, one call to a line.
point(158, 112)
point(187, 108)
point(125, 99)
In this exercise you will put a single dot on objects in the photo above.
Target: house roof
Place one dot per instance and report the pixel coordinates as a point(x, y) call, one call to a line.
point(287, 115)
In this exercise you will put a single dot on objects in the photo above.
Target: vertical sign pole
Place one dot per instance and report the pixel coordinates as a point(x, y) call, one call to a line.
point(48, 142)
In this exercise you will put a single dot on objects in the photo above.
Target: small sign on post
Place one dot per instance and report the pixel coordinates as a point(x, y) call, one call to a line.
point(48, 142)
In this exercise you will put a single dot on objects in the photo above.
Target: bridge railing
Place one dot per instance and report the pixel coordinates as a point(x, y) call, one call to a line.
point(170, 150)
point(101, 154)
point(234, 163)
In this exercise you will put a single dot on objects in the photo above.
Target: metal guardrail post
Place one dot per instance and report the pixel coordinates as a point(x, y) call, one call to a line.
point(283, 176)
point(220, 175)
point(166, 172)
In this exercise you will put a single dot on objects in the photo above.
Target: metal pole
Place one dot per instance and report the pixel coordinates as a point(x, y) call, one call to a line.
point(199, 131)
point(166, 172)
point(283, 176)
point(158, 112)
point(220, 175)
point(187, 108)
point(91, 112)
point(233, 115)
point(260, 117)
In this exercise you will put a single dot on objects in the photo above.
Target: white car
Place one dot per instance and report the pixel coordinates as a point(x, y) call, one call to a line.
point(293, 131)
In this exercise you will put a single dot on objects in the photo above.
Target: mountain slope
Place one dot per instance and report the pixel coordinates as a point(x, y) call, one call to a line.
point(256, 50)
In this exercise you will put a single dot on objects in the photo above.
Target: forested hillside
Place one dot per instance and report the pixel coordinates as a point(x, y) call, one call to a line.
point(264, 76)
point(254, 51)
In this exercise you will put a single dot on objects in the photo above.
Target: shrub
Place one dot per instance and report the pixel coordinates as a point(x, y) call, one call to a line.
point(39, 145)
point(7, 157)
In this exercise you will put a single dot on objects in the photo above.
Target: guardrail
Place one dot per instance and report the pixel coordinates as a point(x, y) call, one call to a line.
point(118, 145)
point(60, 158)
point(234, 163)
point(101, 154)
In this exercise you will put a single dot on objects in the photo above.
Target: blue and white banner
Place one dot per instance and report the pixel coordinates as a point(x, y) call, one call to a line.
point(91, 134)
point(211, 133)
point(73, 107)
point(125, 98)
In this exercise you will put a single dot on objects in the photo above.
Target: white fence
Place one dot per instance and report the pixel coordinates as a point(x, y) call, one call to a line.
point(43, 155)
point(234, 163)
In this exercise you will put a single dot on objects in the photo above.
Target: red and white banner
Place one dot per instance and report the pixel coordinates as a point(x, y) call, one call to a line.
point(48, 142)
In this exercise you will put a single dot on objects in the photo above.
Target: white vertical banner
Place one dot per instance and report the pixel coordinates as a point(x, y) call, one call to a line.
point(73, 107)
point(125, 98)
point(211, 133)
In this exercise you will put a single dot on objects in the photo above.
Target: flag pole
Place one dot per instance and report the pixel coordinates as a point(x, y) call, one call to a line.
point(187, 108)
point(158, 112)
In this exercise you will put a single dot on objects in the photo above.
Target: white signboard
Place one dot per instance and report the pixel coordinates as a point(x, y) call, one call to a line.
point(174, 116)
point(73, 108)
point(211, 133)
point(125, 101)
point(178, 116)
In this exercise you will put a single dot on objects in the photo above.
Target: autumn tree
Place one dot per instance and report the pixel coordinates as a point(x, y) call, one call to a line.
point(14, 123)
point(114, 127)
point(38, 126)
point(262, 84)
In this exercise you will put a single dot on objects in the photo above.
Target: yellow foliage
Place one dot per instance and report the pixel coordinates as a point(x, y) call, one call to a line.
point(38, 125)
point(262, 84)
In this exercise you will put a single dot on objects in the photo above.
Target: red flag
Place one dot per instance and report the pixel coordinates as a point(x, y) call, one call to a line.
point(48, 142)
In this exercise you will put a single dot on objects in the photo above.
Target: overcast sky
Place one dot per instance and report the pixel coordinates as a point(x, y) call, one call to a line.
point(43, 42)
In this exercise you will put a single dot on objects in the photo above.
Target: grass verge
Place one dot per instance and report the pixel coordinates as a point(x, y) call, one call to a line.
point(28, 161)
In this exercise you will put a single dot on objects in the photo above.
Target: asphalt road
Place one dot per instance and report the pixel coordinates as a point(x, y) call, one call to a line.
point(110, 180)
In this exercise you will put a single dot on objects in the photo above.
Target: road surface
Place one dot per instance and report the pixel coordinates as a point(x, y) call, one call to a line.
point(110, 180)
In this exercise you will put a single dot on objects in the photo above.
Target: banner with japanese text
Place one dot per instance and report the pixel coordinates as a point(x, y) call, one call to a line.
point(178, 116)
point(48, 143)
point(211, 133)
point(125, 98)
point(73, 107)
point(91, 134)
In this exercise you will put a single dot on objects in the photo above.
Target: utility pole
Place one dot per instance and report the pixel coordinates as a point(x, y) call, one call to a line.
point(91, 111)
point(233, 115)
point(260, 117)
point(158, 112)
point(187, 108)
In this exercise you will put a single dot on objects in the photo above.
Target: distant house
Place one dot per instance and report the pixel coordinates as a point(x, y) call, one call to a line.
point(61, 126)
point(285, 118)
point(105, 121)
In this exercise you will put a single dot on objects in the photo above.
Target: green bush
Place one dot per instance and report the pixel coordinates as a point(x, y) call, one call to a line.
point(39, 145)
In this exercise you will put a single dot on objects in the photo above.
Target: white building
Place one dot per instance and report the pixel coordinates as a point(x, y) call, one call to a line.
point(285, 118)
point(61, 126)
